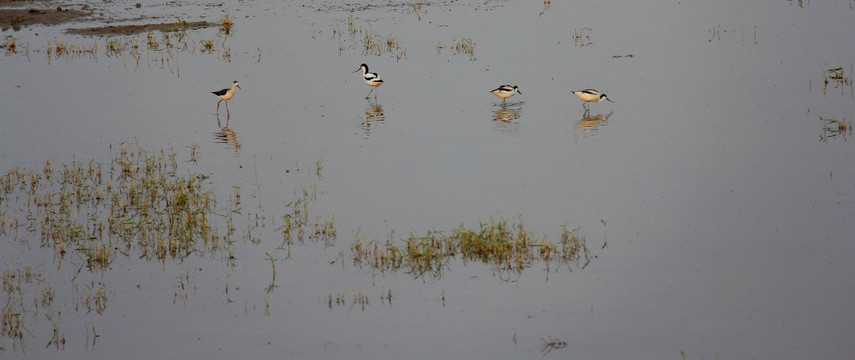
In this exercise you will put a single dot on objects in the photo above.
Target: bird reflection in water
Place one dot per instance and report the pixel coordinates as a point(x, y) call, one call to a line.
point(227, 136)
point(374, 116)
point(590, 124)
point(505, 119)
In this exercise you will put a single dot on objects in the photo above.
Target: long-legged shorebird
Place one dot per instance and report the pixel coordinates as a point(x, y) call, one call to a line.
point(505, 91)
point(370, 78)
point(226, 95)
point(590, 95)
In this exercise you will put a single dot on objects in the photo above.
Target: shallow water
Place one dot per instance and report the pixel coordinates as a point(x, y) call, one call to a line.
point(727, 209)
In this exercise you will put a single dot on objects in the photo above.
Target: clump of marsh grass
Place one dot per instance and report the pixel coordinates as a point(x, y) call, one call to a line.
point(136, 205)
point(10, 44)
point(832, 128)
point(839, 76)
point(297, 220)
point(367, 39)
point(464, 46)
point(136, 202)
point(377, 45)
point(60, 49)
point(507, 247)
point(151, 41)
point(225, 24)
point(208, 46)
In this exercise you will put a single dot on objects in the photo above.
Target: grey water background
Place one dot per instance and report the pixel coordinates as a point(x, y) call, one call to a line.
point(729, 217)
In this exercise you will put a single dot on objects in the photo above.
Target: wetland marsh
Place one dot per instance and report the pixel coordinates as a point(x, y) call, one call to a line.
point(706, 213)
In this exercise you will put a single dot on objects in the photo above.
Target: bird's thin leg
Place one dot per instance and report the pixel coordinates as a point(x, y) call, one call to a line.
point(218, 107)
point(369, 93)
point(227, 109)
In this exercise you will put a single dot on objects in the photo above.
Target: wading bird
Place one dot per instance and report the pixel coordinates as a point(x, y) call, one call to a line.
point(590, 95)
point(505, 91)
point(370, 78)
point(226, 95)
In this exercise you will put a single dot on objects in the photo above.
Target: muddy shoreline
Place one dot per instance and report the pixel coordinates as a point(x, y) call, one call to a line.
point(17, 18)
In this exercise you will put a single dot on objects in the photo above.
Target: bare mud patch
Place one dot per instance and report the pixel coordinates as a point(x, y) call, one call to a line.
point(16, 18)
point(141, 28)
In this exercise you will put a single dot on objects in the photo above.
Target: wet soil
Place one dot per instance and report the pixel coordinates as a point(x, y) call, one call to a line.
point(136, 29)
point(17, 18)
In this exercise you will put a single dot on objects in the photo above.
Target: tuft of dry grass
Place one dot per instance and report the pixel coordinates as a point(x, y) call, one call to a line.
point(464, 46)
point(225, 24)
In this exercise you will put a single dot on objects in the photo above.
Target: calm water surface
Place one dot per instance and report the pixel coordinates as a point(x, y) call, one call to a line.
point(728, 210)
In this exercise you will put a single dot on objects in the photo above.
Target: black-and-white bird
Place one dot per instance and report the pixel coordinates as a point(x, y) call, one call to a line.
point(505, 91)
point(590, 95)
point(226, 95)
point(370, 78)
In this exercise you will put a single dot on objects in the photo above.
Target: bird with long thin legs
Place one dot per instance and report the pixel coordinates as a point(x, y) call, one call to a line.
point(226, 95)
point(589, 96)
point(505, 91)
point(370, 78)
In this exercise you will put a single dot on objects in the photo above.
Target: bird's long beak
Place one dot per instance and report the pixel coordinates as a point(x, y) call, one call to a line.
point(610, 100)
point(357, 69)
point(238, 86)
